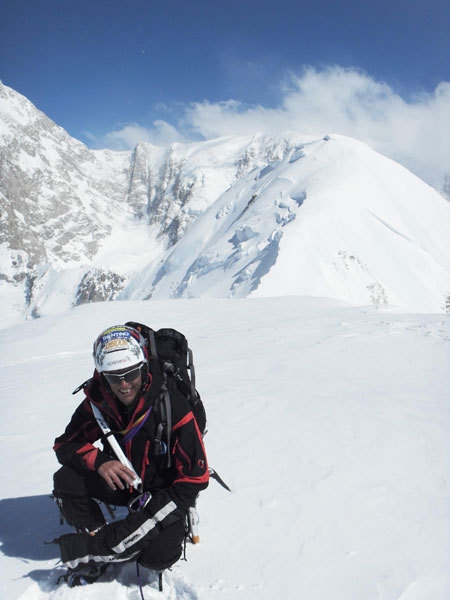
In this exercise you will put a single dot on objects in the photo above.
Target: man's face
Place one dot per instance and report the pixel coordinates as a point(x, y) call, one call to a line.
point(125, 383)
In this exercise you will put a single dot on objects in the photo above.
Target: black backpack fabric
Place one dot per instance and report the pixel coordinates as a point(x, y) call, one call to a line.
point(171, 349)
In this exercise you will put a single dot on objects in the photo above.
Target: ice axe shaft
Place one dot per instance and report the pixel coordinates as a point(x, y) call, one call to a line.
point(137, 483)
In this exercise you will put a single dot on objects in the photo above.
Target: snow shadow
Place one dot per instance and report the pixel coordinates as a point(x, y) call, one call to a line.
point(26, 524)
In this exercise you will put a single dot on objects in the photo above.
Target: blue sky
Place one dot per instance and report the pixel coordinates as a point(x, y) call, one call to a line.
point(111, 72)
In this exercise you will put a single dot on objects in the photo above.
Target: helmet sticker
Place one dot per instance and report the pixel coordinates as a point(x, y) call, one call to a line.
point(120, 340)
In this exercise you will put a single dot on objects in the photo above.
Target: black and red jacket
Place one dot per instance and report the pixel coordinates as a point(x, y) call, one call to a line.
point(188, 473)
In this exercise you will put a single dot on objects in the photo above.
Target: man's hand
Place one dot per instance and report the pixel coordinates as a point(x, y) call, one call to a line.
point(116, 474)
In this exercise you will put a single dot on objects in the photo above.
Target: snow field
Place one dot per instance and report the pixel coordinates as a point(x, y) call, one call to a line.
point(329, 422)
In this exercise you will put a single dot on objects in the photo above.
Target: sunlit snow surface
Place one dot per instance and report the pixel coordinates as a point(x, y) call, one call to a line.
point(329, 422)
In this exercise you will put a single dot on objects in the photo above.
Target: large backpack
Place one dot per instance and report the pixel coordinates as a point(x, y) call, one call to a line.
point(170, 348)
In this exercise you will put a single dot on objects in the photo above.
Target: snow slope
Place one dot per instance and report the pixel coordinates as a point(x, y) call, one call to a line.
point(238, 216)
point(331, 218)
point(329, 422)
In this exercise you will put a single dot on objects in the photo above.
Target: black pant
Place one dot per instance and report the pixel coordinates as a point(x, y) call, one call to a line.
point(75, 491)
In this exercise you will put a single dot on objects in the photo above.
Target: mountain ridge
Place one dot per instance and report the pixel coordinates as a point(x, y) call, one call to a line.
point(232, 217)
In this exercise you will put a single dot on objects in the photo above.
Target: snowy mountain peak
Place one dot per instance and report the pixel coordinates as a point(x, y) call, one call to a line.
point(328, 217)
point(231, 217)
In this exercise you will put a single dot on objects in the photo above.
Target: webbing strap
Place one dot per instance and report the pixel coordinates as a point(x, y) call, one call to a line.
point(167, 404)
point(152, 343)
point(192, 377)
point(132, 430)
point(158, 437)
point(166, 397)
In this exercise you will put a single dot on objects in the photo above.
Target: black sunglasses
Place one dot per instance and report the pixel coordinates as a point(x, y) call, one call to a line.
point(128, 376)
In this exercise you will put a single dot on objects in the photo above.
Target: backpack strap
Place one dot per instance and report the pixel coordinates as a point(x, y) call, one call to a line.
point(165, 404)
point(164, 427)
point(166, 407)
point(190, 366)
point(151, 342)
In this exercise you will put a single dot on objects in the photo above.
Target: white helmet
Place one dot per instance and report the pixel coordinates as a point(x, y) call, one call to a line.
point(118, 347)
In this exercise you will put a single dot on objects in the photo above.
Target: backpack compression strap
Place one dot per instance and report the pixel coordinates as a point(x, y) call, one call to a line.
point(191, 368)
point(166, 419)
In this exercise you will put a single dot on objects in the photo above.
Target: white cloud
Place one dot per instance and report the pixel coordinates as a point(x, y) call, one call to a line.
point(160, 134)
